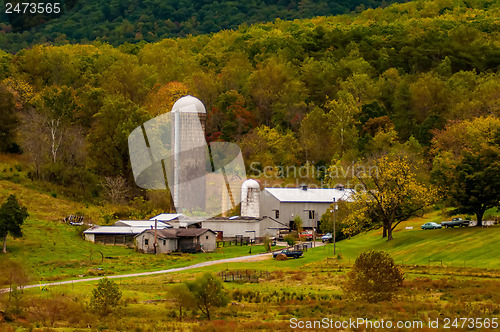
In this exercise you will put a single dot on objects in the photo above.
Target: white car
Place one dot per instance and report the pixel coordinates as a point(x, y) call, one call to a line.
point(328, 237)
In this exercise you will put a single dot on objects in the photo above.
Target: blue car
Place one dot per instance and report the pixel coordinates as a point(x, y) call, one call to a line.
point(327, 238)
point(431, 225)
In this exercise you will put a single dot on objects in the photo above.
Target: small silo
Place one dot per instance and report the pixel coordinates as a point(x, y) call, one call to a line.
point(250, 198)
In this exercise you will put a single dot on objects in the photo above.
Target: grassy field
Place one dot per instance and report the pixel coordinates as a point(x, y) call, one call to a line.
point(309, 291)
point(449, 273)
point(52, 250)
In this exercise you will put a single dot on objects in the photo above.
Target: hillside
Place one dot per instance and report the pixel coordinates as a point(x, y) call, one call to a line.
point(51, 250)
point(117, 22)
point(395, 77)
point(454, 247)
point(459, 247)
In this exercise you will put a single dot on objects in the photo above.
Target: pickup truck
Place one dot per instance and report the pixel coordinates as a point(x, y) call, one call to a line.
point(289, 253)
point(455, 222)
point(306, 236)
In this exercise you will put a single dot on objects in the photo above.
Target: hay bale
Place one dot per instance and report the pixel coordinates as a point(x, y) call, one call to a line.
point(281, 257)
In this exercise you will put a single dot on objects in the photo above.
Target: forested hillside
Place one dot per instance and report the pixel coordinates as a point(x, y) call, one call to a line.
point(120, 21)
point(323, 90)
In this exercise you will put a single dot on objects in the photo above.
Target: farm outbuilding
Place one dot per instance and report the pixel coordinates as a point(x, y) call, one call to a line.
point(284, 204)
point(179, 239)
point(113, 235)
point(122, 232)
point(248, 228)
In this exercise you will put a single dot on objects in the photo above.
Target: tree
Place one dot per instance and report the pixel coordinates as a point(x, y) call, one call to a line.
point(12, 216)
point(315, 136)
point(342, 119)
point(108, 141)
point(162, 98)
point(9, 119)
point(208, 293)
point(297, 224)
point(183, 297)
point(57, 106)
point(105, 296)
point(276, 93)
point(266, 146)
point(116, 188)
point(467, 164)
point(391, 194)
point(374, 277)
point(477, 185)
point(338, 216)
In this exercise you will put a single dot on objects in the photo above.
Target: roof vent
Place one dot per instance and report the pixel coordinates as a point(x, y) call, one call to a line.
point(340, 187)
point(303, 186)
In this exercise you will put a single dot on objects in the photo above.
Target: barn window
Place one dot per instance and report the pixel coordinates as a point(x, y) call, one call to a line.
point(276, 214)
point(311, 214)
point(206, 237)
point(146, 242)
point(164, 242)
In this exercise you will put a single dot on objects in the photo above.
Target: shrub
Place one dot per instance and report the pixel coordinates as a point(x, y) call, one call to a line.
point(374, 277)
point(208, 293)
point(291, 239)
point(266, 240)
point(105, 296)
point(183, 297)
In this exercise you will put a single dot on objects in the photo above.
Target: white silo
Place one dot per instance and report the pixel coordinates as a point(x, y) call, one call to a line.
point(190, 151)
point(250, 198)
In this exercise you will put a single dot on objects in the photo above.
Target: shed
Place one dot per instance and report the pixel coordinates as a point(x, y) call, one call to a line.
point(178, 239)
point(196, 239)
point(115, 235)
point(166, 241)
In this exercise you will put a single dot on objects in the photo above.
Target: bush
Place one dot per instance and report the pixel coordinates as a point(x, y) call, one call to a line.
point(105, 296)
point(208, 293)
point(374, 277)
point(291, 239)
point(266, 241)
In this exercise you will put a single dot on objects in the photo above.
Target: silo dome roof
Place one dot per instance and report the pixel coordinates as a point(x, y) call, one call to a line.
point(251, 183)
point(189, 104)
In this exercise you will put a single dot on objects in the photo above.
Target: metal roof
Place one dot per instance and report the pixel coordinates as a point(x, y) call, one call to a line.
point(178, 232)
point(189, 232)
point(141, 223)
point(114, 230)
point(312, 195)
point(167, 216)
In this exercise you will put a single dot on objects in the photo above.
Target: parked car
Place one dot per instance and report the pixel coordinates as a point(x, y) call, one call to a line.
point(289, 253)
point(328, 237)
point(455, 222)
point(431, 225)
point(306, 236)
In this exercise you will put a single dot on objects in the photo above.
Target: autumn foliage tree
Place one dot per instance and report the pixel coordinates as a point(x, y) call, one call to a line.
point(391, 194)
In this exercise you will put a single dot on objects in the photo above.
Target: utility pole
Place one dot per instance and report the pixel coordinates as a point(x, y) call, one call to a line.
point(335, 207)
point(156, 236)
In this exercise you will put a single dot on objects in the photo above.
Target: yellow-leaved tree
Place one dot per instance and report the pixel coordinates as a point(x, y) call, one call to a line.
point(389, 192)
